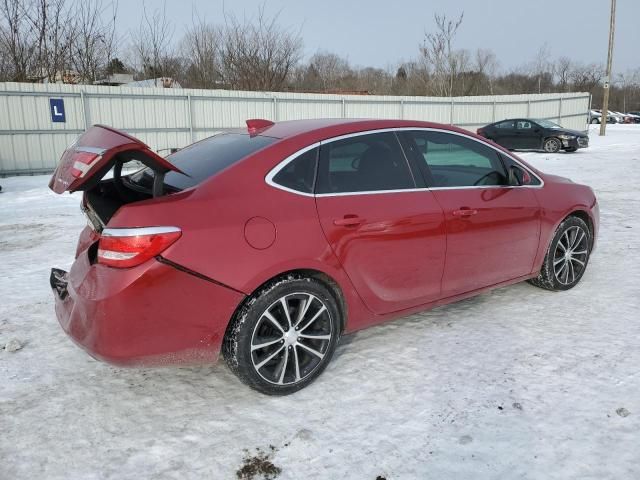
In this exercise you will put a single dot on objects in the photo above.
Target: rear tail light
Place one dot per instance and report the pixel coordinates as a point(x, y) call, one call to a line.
point(128, 247)
point(82, 163)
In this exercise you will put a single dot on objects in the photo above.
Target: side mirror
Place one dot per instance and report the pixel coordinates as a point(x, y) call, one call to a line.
point(518, 176)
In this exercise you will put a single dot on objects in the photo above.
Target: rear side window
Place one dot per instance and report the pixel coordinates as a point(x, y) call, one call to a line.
point(208, 157)
point(300, 173)
point(455, 161)
point(363, 163)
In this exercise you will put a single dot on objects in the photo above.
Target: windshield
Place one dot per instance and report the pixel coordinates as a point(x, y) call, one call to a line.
point(548, 124)
point(204, 159)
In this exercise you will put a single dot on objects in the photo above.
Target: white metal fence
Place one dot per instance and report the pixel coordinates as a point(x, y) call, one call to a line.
point(33, 135)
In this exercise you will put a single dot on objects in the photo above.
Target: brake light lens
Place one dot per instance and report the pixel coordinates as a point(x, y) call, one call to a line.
point(129, 247)
point(82, 163)
point(257, 125)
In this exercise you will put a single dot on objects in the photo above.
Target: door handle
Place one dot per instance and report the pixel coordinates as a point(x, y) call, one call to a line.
point(348, 221)
point(464, 212)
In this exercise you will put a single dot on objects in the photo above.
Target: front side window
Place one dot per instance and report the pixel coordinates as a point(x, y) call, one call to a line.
point(450, 160)
point(300, 173)
point(363, 163)
point(505, 124)
point(524, 125)
point(520, 172)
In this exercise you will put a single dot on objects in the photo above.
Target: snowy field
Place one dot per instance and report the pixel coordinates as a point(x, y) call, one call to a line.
point(517, 383)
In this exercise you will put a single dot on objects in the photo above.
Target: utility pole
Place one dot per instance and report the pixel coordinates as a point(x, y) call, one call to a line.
point(607, 78)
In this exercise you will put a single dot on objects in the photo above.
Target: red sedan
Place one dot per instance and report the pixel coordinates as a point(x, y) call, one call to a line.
point(267, 244)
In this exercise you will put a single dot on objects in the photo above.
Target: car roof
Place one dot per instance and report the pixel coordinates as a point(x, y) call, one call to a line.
point(332, 127)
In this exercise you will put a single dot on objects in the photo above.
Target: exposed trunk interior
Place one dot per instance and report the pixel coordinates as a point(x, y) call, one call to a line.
point(105, 199)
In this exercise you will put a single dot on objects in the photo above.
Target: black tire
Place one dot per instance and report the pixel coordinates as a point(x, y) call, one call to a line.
point(287, 362)
point(551, 145)
point(570, 149)
point(552, 275)
point(595, 121)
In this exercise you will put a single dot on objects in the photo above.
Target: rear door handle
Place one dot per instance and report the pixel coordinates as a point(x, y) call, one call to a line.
point(464, 212)
point(348, 221)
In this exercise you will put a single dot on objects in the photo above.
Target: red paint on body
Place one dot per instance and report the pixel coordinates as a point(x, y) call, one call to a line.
point(390, 254)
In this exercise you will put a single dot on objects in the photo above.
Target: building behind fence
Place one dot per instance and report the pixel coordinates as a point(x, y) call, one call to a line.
point(41, 120)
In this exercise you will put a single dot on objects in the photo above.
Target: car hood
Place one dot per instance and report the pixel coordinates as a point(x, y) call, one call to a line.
point(569, 132)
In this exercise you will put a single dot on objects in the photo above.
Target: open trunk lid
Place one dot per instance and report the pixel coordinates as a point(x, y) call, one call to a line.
point(86, 161)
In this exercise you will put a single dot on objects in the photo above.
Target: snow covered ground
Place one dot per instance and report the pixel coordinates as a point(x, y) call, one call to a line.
point(518, 383)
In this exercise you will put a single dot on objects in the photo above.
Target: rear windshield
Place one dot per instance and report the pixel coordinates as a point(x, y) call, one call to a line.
point(204, 159)
point(547, 123)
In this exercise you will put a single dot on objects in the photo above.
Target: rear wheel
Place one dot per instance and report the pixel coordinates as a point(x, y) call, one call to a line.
point(595, 120)
point(552, 145)
point(284, 336)
point(567, 257)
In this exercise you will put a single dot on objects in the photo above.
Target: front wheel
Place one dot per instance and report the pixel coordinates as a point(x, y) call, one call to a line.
point(595, 121)
point(284, 336)
point(567, 257)
point(552, 145)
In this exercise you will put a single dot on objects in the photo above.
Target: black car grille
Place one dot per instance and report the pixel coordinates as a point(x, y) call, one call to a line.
point(583, 142)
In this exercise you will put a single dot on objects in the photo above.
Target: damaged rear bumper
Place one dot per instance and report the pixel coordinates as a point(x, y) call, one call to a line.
point(152, 314)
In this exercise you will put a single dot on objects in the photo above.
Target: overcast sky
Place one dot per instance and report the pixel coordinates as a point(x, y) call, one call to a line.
point(381, 32)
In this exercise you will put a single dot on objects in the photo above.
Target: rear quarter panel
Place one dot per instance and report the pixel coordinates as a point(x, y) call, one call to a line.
point(215, 218)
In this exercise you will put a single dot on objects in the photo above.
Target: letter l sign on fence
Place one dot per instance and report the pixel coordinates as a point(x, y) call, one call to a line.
point(56, 106)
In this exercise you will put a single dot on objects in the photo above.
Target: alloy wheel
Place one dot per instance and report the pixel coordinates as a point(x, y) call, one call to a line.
point(551, 145)
point(570, 256)
point(291, 338)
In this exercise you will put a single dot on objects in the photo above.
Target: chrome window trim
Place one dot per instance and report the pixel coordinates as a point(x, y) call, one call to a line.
point(274, 171)
point(371, 192)
point(134, 232)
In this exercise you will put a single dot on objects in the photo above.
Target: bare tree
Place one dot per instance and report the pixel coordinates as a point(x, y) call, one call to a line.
point(55, 22)
point(152, 44)
point(94, 41)
point(462, 79)
point(438, 55)
point(584, 78)
point(35, 38)
point(201, 47)
point(486, 65)
point(373, 80)
point(628, 83)
point(259, 55)
point(6, 68)
point(330, 70)
point(50, 40)
point(542, 68)
point(17, 40)
point(563, 70)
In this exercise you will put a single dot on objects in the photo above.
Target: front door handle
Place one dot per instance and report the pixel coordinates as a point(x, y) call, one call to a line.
point(464, 212)
point(348, 221)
